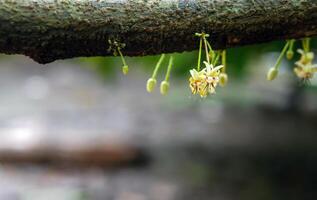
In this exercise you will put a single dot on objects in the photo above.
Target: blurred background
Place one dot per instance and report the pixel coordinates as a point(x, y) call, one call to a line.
point(80, 130)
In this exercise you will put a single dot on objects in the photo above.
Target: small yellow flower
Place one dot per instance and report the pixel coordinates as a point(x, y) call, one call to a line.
point(305, 71)
point(197, 82)
point(306, 57)
point(304, 68)
point(212, 76)
point(204, 82)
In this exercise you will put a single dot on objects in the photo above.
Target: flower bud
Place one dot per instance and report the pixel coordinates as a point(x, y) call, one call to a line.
point(150, 85)
point(309, 57)
point(272, 74)
point(164, 87)
point(289, 54)
point(223, 79)
point(125, 69)
point(211, 55)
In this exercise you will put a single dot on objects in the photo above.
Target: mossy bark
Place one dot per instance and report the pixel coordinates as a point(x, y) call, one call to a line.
point(48, 30)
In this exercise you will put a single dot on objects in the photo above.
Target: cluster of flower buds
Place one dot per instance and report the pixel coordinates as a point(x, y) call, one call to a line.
point(304, 68)
point(151, 82)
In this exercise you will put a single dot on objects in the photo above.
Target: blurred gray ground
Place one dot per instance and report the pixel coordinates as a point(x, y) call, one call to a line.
point(247, 142)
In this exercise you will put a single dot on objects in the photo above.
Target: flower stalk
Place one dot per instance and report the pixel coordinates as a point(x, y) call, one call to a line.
point(273, 72)
point(164, 88)
point(125, 67)
point(151, 83)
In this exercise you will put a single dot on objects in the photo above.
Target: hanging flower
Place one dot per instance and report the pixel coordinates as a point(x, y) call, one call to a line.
point(205, 81)
point(212, 76)
point(306, 57)
point(197, 82)
point(305, 69)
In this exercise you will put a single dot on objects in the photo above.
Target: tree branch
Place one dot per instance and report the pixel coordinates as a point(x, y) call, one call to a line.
point(48, 30)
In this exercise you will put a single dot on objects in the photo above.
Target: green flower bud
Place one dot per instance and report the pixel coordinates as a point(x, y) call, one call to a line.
point(164, 87)
point(272, 74)
point(309, 57)
point(211, 55)
point(125, 69)
point(223, 79)
point(150, 85)
point(289, 54)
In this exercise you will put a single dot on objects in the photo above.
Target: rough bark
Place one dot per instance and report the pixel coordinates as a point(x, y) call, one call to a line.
point(47, 30)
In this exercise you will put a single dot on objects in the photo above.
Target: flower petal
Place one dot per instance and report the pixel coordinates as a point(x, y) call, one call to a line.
point(209, 67)
point(218, 67)
point(194, 73)
point(300, 51)
point(299, 64)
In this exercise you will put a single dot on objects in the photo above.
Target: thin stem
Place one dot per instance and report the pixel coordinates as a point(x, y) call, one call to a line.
point(168, 72)
point(158, 64)
point(216, 59)
point(206, 49)
point(224, 60)
point(199, 54)
point(209, 46)
point(279, 60)
point(210, 49)
point(291, 45)
point(306, 44)
point(121, 56)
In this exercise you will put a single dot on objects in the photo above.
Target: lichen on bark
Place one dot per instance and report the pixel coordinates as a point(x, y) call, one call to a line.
point(48, 30)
